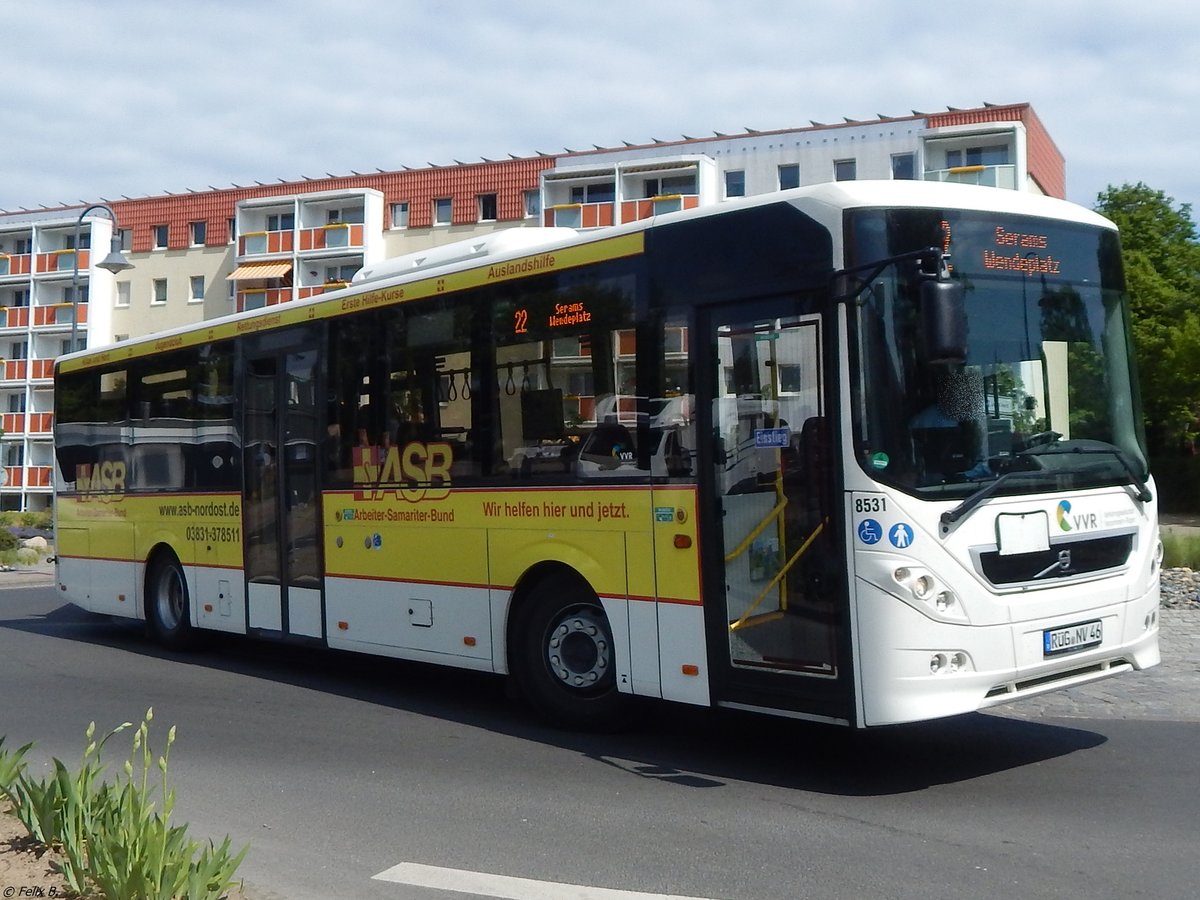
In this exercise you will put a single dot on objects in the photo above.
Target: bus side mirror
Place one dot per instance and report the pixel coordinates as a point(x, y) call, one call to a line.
point(944, 321)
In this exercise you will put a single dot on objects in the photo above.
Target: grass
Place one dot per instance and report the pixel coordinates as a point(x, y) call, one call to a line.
point(1181, 551)
point(116, 837)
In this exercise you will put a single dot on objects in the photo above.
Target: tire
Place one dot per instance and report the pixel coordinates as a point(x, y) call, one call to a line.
point(168, 609)
point(565, 659)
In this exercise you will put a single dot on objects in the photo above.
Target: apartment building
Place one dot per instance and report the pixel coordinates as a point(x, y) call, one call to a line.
point(206, 253)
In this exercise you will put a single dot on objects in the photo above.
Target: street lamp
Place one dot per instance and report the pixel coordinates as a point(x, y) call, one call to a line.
point(115, 262)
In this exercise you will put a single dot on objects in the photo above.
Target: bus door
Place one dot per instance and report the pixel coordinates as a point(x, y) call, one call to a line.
point(774, 607)
point(281, 501)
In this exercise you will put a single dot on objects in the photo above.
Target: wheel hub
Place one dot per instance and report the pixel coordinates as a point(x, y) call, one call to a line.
point(579, 650)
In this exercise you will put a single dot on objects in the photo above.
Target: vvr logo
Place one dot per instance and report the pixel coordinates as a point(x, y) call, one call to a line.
point(1067, 522)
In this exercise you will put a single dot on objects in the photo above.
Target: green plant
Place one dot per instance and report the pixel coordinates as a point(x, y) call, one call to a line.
point(1181, 551)
point(117, 836)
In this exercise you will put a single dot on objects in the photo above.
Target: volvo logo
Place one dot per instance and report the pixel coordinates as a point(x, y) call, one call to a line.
point(1062, 565)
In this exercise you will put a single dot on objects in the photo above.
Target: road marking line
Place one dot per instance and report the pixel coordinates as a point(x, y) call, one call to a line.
point(507, 887)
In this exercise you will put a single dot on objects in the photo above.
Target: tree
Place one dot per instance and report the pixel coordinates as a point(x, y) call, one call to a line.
point(1162, 272)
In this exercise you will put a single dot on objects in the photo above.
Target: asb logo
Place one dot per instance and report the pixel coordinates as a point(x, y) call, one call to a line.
point(1064, 509)
point(105, 479)
point(413, 473)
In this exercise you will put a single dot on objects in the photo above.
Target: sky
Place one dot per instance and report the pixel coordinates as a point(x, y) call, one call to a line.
point(136, 98)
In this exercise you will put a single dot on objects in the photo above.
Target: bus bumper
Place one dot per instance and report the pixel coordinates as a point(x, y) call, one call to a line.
point(911, 668)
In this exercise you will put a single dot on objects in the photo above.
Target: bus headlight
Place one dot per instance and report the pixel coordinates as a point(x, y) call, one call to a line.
point(930, 594)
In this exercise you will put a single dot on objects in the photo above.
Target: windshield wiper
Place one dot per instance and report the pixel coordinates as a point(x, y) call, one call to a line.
point(973, 500)
point(1143, 490)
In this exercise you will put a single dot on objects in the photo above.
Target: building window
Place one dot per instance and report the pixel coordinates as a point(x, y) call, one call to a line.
point(789, 176)
point(281, 222)
point(18, 350)
point(159, 294)
point(533, 204)
point(197, 283)
point(69, 294)
point(664, 187)
point(20, 298)
point(233, 231)
point(845, 170)
point(442, 211)
point(161, 234)
point(16, 403)
point(995, 155)
point(735, 184)
point(125, 236)
point(80, 344)
point(487, 207)
point(400, 214)
point(122, 293)
point(604, 192)
point(904, 167)
point(198, 231)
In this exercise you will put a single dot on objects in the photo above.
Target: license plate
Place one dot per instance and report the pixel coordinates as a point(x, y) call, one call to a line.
point(1072, 638)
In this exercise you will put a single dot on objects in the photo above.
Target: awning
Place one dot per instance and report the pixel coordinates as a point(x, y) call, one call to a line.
point(248, 271)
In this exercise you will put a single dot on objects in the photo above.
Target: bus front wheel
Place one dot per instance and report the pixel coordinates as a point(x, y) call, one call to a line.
point(167, 607)
point(566, 661)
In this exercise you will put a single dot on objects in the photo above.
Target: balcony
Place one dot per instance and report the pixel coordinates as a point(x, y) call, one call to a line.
point(13, 423)
point(57, 314)
point(16, 264)
point(33, 476)
point(41, 369)
point(330, 237)
point(259, 243)
point(988, 176)
point(14, 370)
point(306, 292)
point(62, 262)
point(580, 215)
point(257, 298)
point(636, 210)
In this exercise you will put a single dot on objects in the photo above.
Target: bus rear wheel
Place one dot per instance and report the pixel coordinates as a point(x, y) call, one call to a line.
point(167, 606)
point(566, 660)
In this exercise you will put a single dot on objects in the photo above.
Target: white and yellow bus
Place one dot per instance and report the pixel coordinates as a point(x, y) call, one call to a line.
point(862, 453)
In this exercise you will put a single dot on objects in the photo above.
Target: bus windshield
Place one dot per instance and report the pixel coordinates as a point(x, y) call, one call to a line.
point(1045, 398)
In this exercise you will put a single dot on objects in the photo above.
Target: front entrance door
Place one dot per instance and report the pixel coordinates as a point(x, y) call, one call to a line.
point(281, 502)
point(779, 587)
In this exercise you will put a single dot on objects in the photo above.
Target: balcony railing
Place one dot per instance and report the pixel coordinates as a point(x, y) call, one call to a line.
point(15, 264)
point(62, 261)
point(256, 299)
point(988, 176)
point(14, 370)
point(256, 243)
point(32, 476)
point(57, 314)
point(316, 290)
point(580, 215)
point(636, 210)
point(40, 423)
point(41, 369)
point(333, 236)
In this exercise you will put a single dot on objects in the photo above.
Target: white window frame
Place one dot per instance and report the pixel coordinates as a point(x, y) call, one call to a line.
point(738, 175)
point(400, 214)
point(192, 282)
point(154, 301)
point(124, 293)
point(193, 228)
point(164, 231)
point(440, 203)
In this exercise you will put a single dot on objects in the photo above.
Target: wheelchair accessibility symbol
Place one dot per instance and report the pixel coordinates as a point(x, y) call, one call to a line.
point(869, 531)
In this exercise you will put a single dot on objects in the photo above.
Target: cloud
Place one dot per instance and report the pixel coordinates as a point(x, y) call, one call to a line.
point(159, 96)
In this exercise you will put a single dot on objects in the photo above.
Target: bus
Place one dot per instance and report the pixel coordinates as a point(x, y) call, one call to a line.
point(859, 453)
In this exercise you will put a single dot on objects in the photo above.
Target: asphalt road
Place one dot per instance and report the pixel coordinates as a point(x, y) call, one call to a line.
point(338, 769)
